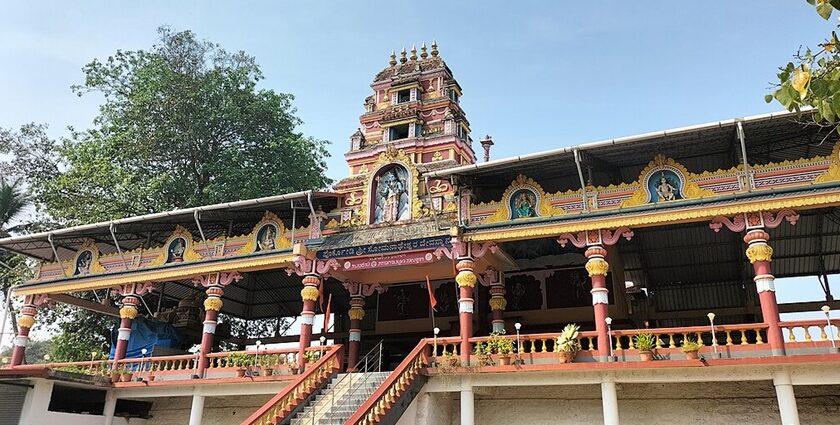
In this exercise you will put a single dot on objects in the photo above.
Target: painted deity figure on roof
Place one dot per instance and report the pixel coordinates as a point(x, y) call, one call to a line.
point(524, 202)
point(665, 190)
point(265, 241)
point(392, 196)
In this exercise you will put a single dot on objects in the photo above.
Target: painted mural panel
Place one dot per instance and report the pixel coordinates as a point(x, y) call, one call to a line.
point(566, 288)
point(524, 292)
point(403, 302)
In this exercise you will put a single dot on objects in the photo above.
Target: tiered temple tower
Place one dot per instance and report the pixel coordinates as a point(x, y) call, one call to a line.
point(413, 115)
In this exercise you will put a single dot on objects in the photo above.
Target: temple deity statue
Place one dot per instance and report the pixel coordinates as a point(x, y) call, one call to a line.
point(665, 190)
point(391, 196)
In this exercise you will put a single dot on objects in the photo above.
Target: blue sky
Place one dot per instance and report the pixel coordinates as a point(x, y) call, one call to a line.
point(536, 75)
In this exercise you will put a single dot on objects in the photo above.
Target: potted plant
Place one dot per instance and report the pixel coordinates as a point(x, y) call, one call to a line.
point(268, 361)
point(152, 369)
point(691, 349)
point(482, 351)
point(645, 342)
point(115, 373)
point(240, 361)
point(451, 359)
point(125, 373)
point(568, 343)
point(498, 344)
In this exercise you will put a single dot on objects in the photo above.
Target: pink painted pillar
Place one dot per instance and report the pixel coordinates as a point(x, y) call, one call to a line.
point(466, 280)
point(212, 305)
point(598, 268)
point(356, 313)
point(128, 312)
point(25, 323)
point(309, 294)
point(760, 254)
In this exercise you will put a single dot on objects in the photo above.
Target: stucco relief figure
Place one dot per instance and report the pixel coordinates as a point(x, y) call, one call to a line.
point(83, 263)
point(523, 204)
point(666, 187)
point(176, 250)
point(265, 238)
point(392, 196)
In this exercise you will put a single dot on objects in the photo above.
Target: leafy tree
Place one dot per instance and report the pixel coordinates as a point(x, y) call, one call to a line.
point(182, 124)
point(812, 79)
point(13, 268)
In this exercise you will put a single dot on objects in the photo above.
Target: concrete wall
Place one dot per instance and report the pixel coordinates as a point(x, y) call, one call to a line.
point(742, 403)
point(217, 410)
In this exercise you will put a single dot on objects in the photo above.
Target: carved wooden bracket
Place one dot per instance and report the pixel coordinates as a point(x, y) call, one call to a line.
point(466, 249)
point(755, 220)
point(363, 289)
point(217, 279)
point(138, 289)
point(303, 266)
point(595, 237)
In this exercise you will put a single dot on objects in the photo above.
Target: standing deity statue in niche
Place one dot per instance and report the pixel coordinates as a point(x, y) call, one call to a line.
point(391, 196)
point(665, 190)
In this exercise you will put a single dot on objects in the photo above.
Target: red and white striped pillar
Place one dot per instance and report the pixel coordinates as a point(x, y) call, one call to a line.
point(25, 323)
point(595, 242)
point(215, 284)
point(128, 312)
point(309, 295)
point(498, 303)
point(598, 267)
point(356, 313)
point(760, 254)
point(466, 280)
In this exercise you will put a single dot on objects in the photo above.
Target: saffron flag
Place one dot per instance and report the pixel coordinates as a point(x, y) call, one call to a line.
point(327, 316)
point(432, 299)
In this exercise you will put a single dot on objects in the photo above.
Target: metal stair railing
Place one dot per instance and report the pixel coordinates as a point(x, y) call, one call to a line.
point(372, 361)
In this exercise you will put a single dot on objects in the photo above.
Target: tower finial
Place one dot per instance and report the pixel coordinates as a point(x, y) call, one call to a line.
point(413, 53)
point(393, 60)
point(402, 56)
point(434, 48)
point(423, 53)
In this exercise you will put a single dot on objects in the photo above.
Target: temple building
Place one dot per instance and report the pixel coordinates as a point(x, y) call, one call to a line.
point(631, 280)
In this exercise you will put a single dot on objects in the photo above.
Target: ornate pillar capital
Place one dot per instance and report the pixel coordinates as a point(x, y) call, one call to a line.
point(219, 279)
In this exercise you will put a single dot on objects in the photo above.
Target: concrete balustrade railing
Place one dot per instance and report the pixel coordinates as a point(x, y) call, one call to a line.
point(220, 365)
point(811, 331)
point(724, 335)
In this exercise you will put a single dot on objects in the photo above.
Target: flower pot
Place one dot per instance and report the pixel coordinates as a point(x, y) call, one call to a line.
point(269, 371)
point(126, 377)
point(505, 360)
point(566, 356)
point(692, 355)
point(240, 372)
point(115, 377)
point(646, 356)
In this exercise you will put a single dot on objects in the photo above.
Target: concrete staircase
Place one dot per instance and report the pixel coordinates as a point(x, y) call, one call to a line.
point(336, 402)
